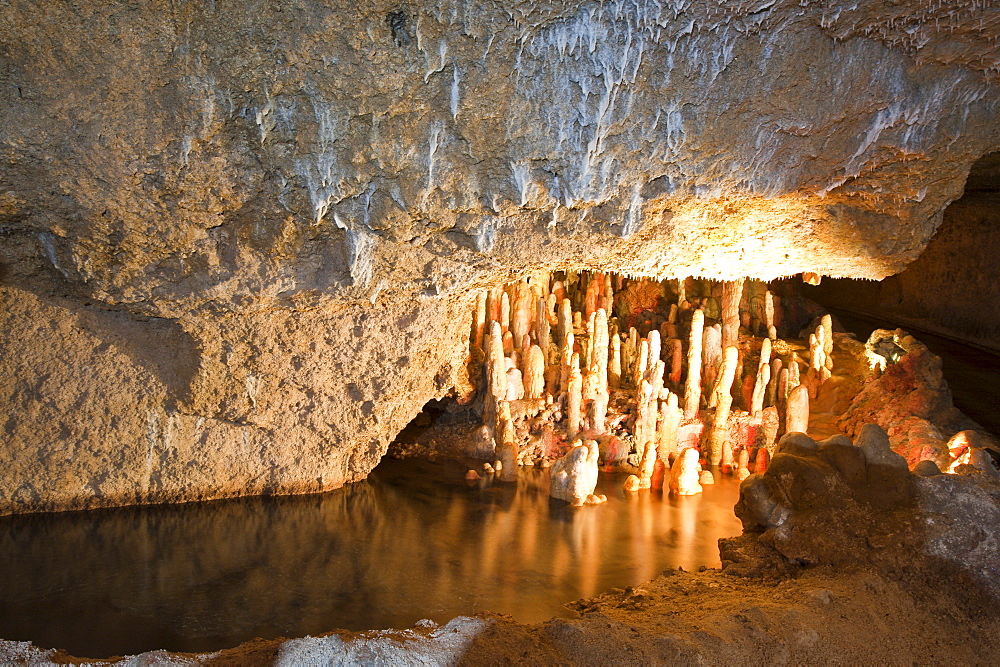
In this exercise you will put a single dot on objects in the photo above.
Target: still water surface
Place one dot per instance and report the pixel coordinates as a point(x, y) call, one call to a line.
point(413, 541)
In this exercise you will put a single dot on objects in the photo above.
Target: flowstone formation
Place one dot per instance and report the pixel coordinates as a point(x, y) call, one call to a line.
point(238, 239)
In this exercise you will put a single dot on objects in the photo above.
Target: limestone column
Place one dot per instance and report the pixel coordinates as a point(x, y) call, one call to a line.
point(732, 293)
point(692, 387)
point(719, 434)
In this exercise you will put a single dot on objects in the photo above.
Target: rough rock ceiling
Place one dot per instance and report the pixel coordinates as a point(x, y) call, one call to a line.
point(244, 154)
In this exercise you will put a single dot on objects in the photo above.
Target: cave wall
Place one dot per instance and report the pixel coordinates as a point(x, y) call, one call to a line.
point(952, 287)
point(239, 239)
point(104, 409)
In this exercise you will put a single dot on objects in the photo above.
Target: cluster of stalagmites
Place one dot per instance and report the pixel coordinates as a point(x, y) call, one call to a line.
point(592, 370)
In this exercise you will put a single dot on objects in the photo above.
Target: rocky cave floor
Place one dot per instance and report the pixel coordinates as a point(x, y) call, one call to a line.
point(818, 615)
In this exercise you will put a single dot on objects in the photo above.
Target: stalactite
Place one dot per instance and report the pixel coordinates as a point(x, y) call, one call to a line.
point(692, 388)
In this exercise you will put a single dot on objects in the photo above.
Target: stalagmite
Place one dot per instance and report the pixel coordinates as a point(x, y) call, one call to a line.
point(522, 314)
point(772, 332)
point(765, 352)
point(676, 361)
point(732, 293)
point(770, 423)
point(599, 351)
point(772, 387)
point(615, 363)
point(641, 362)
point(668, 420)
point(644, 394)
point(653, 340)
point(782, 392)
point(573, 478)
point(706, 478)
point(684, 474)
point(646, 464)
point(760, 389)
point(719, 434)
point(508, 342)
point(559, 290)
point(565, 321)
point(827, 323)
point(793, 377)
point(632, 484)
point(588, 341)
point(534, 373)
point(508, 462)
point(598, 413)
point(592, 296)
point(505, 311)
point(496, 368)
point(711, 356)
point(743, 465)
point(761, 461)
point(515, 385)
point(692, 387)
point(797, 412)
point(574, 399)
point(479, 321)
point(542, 324)
point(816, 352)
point(564, 366)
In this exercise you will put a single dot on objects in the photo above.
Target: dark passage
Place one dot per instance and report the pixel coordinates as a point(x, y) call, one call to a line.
point(414, 541)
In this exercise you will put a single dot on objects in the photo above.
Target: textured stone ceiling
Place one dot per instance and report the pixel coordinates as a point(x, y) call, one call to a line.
point(239, 240)
point(164, 157)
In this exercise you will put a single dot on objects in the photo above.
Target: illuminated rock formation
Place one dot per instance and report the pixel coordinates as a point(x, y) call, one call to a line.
point(573, 478)
point(685, 473)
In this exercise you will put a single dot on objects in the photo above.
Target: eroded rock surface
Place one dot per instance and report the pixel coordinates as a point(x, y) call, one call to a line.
point(857, 505)
point(236, 237)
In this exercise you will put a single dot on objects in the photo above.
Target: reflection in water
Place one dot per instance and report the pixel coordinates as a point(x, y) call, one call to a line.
point(414, 541)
